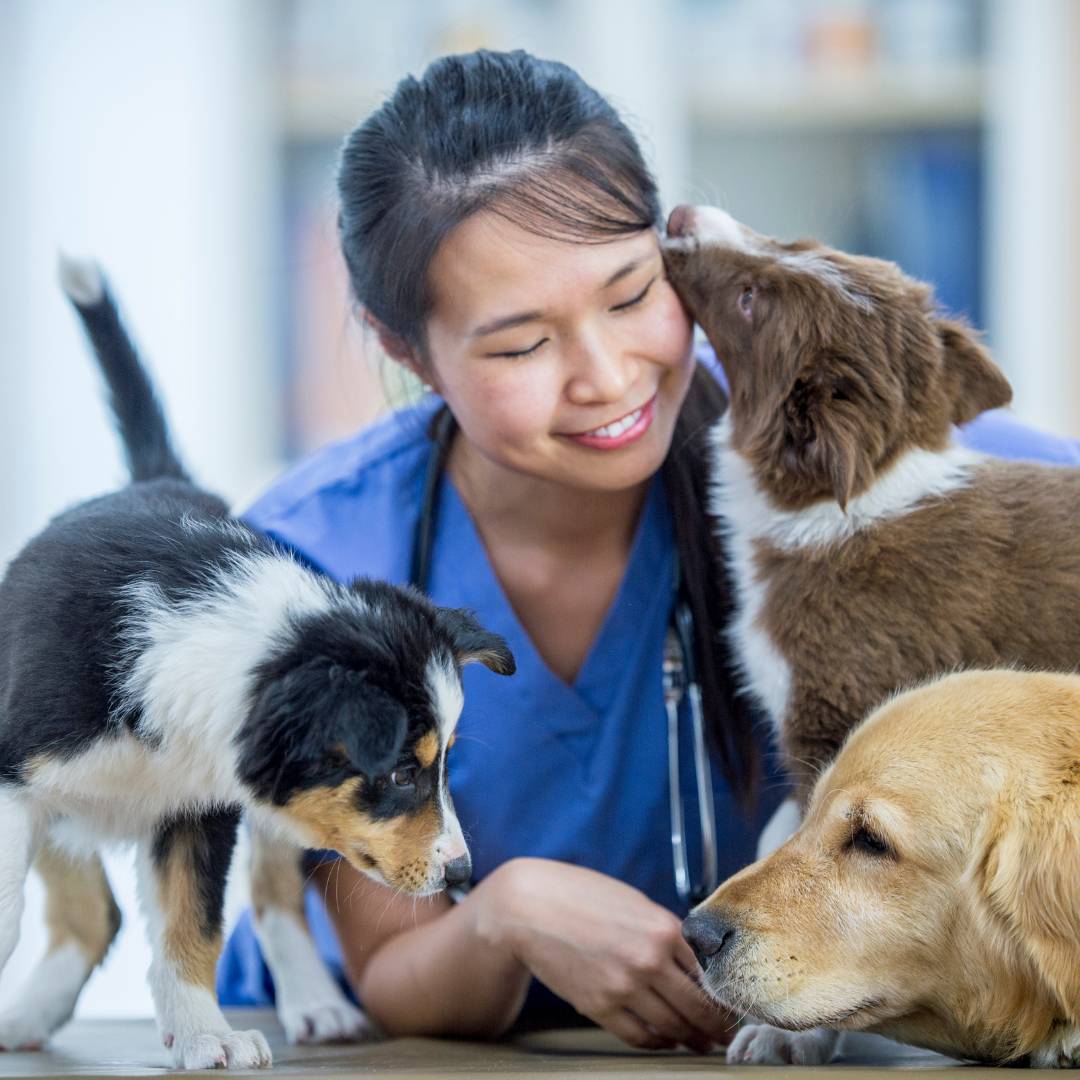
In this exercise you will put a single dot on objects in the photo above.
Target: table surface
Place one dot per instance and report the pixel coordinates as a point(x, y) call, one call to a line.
point(125, 1048)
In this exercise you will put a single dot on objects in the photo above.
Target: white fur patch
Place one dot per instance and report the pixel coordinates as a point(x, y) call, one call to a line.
point(81, 279)
point(817, 264)
point(715, 227)
point(747, 518)
point(310, 1004)
point(448, 699)
point(46, 1000)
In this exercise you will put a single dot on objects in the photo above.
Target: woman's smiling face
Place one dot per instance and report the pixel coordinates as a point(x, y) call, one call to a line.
point(562, 361)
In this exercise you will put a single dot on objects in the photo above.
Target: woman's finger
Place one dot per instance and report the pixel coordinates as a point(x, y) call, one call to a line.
point(657, 1014)
point(685, 997)
point(634, 1031)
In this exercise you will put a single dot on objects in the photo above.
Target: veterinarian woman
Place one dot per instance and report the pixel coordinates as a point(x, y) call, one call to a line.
point(500, 230)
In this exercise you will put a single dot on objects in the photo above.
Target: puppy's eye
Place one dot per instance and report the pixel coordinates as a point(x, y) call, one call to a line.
point(746, 301)
point(404, 777)
point(869, 843)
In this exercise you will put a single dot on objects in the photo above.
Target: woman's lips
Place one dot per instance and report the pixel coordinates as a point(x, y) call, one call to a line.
point(618, 433)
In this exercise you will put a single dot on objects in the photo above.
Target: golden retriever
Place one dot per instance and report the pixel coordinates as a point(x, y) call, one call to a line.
point(932, 893)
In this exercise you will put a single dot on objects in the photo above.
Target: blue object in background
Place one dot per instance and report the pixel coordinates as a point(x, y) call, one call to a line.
point(924, 211)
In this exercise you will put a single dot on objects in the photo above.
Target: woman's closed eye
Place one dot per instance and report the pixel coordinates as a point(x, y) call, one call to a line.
point(516, 353)
point(635, 300)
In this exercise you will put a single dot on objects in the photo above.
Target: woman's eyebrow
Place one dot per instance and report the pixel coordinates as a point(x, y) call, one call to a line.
point(506, 323)
point(622, 272)
point(509, 321)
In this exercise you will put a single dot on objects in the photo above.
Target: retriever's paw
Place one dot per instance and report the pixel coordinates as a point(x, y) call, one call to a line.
point(1060, 1051)
point(762, 1044)
point(233, 1050)
point(324, 1022)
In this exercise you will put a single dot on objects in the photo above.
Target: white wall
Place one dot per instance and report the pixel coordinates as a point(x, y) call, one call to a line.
point(140, 133)
point(1033, 216)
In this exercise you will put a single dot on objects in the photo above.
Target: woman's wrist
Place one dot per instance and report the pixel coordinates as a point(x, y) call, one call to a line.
point(500, 912)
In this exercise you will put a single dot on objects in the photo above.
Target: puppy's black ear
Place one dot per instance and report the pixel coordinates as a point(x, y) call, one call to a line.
point(825, 428)
point(973, 381)
point(472, 644)
point(369, 724)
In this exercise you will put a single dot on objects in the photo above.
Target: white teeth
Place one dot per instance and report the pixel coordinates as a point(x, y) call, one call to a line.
point(614, 430)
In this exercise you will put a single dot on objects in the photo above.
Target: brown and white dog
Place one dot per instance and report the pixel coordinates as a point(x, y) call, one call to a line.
point(868, 550)
point(933, 892)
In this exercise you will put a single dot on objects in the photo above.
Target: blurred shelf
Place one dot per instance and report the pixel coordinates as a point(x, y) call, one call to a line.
point(876, 97)
point(318, 109)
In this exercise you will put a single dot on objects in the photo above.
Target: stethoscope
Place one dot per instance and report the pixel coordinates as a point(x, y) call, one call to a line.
point(680, 682)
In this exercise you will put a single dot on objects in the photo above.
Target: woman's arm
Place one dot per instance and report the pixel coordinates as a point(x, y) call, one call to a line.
point(616, 956)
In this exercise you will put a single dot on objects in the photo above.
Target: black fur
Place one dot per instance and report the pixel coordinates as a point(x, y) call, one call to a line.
point(137, 411)
point(208, 840)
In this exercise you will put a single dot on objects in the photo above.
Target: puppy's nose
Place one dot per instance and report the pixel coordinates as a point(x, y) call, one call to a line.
point(707, 934)
point(679, 220)
point(457, 871)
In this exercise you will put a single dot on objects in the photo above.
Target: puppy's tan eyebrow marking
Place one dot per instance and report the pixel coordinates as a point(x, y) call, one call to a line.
point(427, 749)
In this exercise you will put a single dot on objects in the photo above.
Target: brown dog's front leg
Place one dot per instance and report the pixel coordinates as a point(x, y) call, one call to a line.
point(182, 874)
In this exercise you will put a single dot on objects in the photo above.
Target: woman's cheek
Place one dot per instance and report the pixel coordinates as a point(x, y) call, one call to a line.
point(666, 332)
point(509, 408)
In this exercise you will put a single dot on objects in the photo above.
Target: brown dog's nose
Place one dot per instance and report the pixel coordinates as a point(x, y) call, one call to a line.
point(707, 934)
point(679, 219)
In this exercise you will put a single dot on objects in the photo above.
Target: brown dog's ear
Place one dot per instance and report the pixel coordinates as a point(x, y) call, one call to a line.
point(824, 440)
point(1032, 880)
point(973, 381)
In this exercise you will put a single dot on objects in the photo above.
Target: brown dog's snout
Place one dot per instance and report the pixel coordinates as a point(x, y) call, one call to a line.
point(679, 219)
point(707, 933)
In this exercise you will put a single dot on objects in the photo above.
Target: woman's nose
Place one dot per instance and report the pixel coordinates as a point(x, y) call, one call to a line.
point(602, 376)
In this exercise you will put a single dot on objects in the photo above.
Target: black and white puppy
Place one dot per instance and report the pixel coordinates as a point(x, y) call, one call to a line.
point(164, 668)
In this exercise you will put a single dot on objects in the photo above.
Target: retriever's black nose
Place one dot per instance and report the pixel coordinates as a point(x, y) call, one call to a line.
point(707, 934)
point(676, 223)
point(457, 871)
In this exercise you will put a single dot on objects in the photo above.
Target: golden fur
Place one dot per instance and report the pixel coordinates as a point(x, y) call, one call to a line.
point(932, 893)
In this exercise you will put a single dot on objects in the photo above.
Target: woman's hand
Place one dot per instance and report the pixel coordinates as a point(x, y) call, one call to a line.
point(616, 956)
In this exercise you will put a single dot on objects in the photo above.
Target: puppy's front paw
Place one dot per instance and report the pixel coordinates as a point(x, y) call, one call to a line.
point(22, 1033)
point(330, 1022)
point(233, 1050)
point(762, 1044)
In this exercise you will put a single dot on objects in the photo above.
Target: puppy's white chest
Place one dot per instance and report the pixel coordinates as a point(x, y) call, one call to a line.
point(121, 786)
point(740, 509)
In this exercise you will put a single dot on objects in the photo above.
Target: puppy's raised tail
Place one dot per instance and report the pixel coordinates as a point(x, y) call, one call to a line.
point(138, 414)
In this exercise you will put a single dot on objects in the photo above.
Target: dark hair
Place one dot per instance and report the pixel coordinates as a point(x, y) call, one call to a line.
point(528, 139)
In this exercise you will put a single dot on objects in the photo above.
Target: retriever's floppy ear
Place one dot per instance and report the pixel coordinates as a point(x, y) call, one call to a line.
point(823, 437)
point(1032, 880)
point(973, 381)
point(473, 644)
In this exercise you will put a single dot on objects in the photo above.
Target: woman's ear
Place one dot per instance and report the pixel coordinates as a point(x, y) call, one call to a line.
point(400, 350)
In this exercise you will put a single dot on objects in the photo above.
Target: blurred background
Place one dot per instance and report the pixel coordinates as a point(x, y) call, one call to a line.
point(190, 146)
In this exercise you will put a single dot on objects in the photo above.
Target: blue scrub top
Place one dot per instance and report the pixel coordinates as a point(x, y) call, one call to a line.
point(540, 768)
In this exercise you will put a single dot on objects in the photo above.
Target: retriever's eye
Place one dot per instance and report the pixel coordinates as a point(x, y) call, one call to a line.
point(862, 839)
point(404, 777)
point(746, 301)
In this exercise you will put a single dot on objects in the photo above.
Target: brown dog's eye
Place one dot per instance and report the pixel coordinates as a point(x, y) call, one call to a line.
point(862, 839)
point(404, 777)
point(746, 301)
